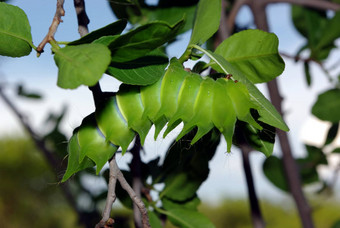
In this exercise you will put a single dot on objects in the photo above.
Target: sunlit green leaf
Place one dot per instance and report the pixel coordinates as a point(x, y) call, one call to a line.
point(81, 65)
point(207, 21)
point(168, 14)
point(15, 31)
point(327, 106)
point(188, 219)
point(255, 52)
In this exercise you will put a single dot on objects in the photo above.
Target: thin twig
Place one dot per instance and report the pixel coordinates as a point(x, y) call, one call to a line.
point(53, 28)
point(115, 172)
point(111, 193)
point(125, 185)
point(137, 184)
point(256, 214)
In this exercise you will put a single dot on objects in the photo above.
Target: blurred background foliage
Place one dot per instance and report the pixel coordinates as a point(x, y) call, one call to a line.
point(30, 196)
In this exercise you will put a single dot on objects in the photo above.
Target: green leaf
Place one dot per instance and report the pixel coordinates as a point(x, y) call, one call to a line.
point(274, 171)
point(185, 218)
point(73, 165)
point(105, 40)
point(327, 106)
point(307, 73)
point(331, 33)
point(138, 42)
point(332, 133)
point(336, 224)
point(186, 167)
point(336, 150)
point(154, 220)
point(207, 21)
point(255, 53)
point(81, 65)
point(310, 23)
point(171, 15)
point(262, 141)
point(268, 113)
point(191, 204)
point(15, 31)
point(21, 91)
point(145, 70)
point(114, 28)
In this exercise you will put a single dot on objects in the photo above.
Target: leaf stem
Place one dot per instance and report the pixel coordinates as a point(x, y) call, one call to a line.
point(186, 55)
point(208, 53)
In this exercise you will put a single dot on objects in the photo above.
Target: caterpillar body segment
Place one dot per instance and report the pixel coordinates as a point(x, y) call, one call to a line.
point(180, 96)
point(87, 148)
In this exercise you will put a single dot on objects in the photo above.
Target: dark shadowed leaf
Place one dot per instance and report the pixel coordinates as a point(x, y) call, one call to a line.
point(109, 30)
point(190, 204)
point(262, 141)
point(332, 133)
point(21, 91)
point(307, 73)
point(336, 150)
point(15, 31)
point(327, 106)
point(273, 170)
point(187, 166)
point(138, 42)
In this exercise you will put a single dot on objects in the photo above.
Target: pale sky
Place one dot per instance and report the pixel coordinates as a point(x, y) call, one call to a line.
point(226, 177)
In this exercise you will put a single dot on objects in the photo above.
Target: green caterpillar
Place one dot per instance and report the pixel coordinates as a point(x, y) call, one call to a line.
point(179, 96)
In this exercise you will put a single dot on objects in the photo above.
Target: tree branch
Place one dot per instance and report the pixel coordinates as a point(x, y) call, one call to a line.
point(82, 17)
point(256, 214)
point(318, 4)
point(137, 184)
point(115, 172)
point(125, 185)
point(111, 194)
point(233, 13)
point(291, 170)
point(53, 28)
